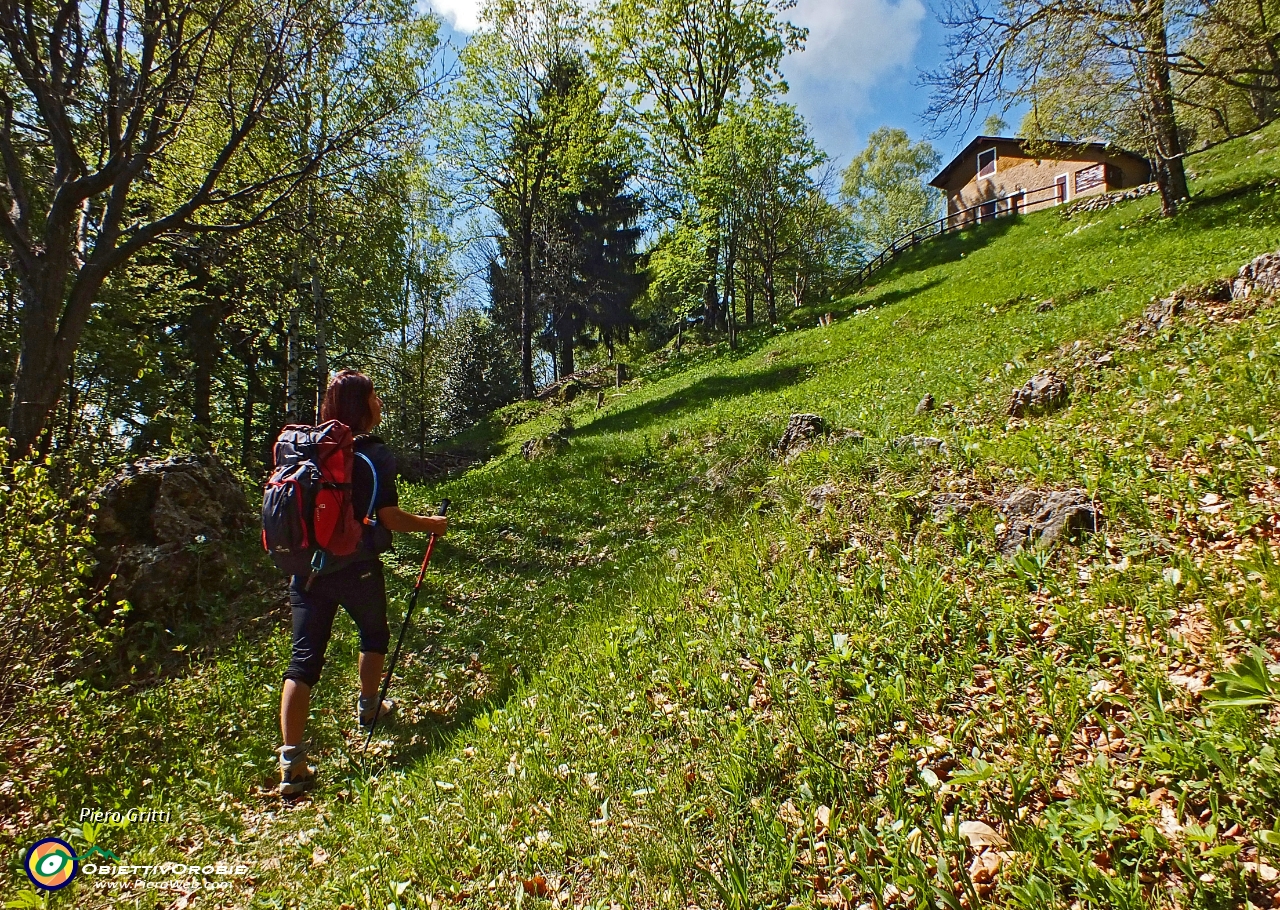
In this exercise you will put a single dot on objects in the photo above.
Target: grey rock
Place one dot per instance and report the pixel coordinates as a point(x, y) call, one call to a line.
point(1044, 391)
point(920, 444)
point(801, 430)
point(1045, 306)
point(540, 448)
point(945, 505)
point(1039, 518)
point(1106, 200)
point(160, 529)
point(926, 404)
point(1260, 278)
point(1161, 313)
point(817, 497)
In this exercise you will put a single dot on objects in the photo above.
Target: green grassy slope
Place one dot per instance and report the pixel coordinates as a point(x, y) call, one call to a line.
point(663, 679)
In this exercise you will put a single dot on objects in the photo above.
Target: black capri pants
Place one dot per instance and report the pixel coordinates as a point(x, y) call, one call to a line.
point(361, 590)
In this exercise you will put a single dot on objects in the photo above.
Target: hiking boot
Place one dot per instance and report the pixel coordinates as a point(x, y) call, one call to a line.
point(365, 710)
point(296, 775)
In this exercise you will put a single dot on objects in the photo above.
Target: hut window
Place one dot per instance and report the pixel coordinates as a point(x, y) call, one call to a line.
point(986, 163)
point(1089, 177)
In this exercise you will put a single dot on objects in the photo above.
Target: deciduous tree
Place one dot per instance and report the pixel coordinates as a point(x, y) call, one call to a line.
point(680, 64)
point(885, 187)
point(124, 124)
point(1023, 51)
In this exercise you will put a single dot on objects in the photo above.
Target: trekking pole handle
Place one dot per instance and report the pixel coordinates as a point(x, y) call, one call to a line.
point(444, 506)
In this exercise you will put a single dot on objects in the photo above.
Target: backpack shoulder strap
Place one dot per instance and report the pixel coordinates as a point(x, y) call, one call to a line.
point(370, 518)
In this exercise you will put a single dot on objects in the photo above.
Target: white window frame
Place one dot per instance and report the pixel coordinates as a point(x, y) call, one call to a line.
point(995, 163)
point(1066, 188)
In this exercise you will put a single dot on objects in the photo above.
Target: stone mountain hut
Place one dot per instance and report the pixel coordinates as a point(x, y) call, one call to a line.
point(995, 176)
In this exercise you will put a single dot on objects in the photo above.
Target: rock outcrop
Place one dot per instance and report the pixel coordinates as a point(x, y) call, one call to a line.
point(160, 529)
point(1039, 518)
point(1260, 278)
point(1106, 200)
point(818, 497)
point(1161, 313)
point(801, 430)
point(920, 444)
point(1045, 391)
point(542, 447)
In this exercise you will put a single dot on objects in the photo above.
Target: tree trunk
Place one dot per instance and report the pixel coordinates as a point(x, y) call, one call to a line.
point(749, 302)
point(402, 387)
point(711, 294)
point(291, 375)
point(1171, 176)
point(246, 417)
point(422, 382)
point(50, 326)
point(278, 356)
point(526, 316)
point(730, 294)
point(770, 292)
point(566, 356)
point(798, 289)
point(322, 350)
point(202, 357)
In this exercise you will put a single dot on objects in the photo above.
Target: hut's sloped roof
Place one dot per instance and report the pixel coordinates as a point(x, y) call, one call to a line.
point(944, 175)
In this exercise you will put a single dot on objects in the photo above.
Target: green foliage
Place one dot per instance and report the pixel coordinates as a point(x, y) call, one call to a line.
point(243, 125)
point(652, 671)
point(46, 624)
point(755, 183)
point(677, 274)
point(1230, 83)
point(477, 373)
point(655, 53)
point(1247, 684)
point(886, 187)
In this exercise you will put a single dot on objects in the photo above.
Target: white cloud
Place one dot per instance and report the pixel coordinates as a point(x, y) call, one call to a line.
point(853, 47)
point(464, 15)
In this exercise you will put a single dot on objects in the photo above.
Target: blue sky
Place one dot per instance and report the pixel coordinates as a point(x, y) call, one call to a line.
point(859, 70)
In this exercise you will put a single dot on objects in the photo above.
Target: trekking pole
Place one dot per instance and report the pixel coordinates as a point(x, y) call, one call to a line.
point(408, 615)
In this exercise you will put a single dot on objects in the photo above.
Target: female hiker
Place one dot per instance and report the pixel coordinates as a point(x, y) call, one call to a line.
point(354, 582)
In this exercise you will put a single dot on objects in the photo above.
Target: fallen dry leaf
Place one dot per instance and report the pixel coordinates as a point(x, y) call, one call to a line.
point(980, 834)
point(1264, 872)
point(984, 867)
point(536, 886)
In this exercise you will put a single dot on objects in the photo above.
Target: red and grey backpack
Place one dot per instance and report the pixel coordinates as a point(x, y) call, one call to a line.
point(307, 513)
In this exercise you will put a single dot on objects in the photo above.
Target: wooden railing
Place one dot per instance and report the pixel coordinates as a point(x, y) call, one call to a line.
point(1011, 204)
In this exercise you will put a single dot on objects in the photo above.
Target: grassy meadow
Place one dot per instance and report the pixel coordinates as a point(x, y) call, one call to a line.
point(656, 671)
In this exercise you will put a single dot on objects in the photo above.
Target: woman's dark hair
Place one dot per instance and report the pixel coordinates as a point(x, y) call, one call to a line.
point(347, 399)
